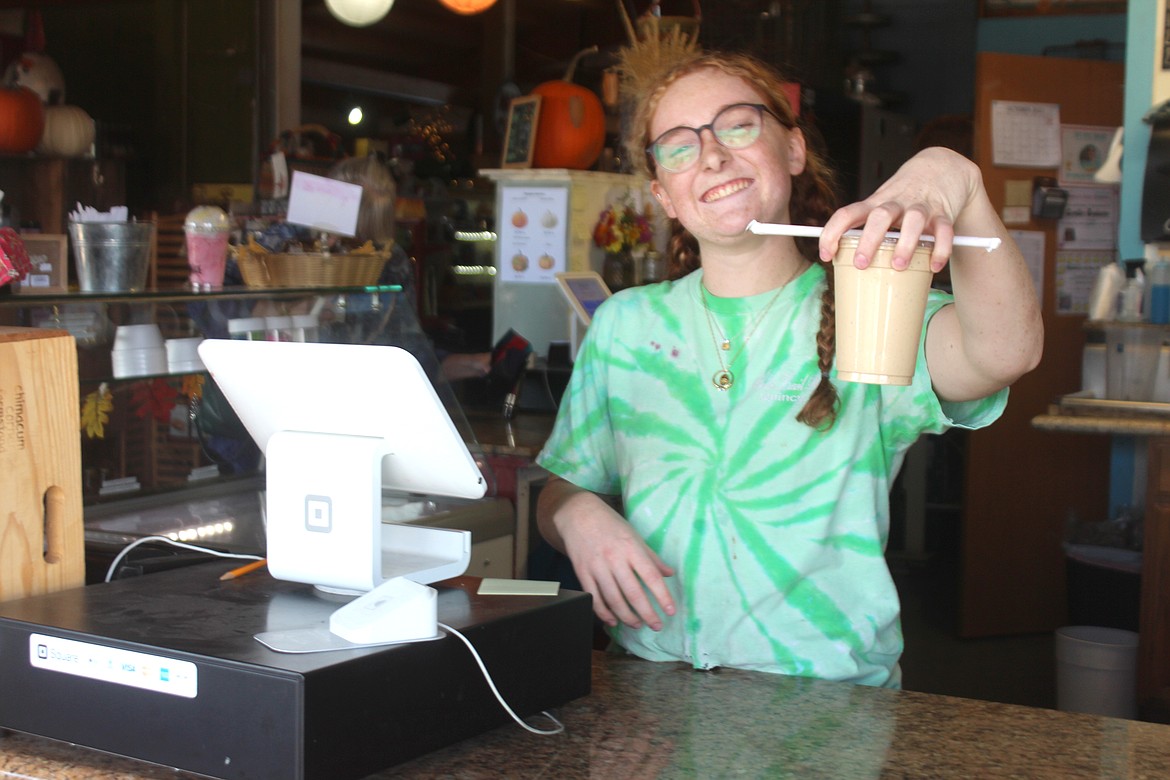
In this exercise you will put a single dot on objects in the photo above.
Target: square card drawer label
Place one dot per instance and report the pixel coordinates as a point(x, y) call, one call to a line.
point(114, 665)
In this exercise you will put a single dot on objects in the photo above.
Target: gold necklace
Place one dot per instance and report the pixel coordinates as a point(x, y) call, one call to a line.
point(724, 378)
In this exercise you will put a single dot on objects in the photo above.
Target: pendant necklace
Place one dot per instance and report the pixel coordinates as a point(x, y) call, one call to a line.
point(724, 378)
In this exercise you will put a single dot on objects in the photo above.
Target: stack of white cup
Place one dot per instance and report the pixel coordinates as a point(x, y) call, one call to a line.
point(183, 355)
point(138, 351)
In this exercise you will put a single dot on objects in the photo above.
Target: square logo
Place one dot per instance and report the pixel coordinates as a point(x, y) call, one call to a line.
point(318, 514)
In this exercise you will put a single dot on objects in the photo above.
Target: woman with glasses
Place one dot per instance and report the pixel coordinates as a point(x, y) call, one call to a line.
point(751, 486)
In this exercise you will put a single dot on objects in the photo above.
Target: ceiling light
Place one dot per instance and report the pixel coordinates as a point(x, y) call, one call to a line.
point(355, 116)
point(359, 13)
point(468, 7)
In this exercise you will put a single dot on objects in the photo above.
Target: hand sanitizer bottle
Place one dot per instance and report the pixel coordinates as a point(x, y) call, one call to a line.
point(1160, 292)
point(1133, 293)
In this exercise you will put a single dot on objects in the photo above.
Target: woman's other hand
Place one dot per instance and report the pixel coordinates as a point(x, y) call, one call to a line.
point(926, 196)
point(612, 562)
point(466, 365)
point(994, 333)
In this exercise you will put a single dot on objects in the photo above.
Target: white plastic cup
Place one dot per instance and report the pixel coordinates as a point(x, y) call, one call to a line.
point(138, 351)
point(1093, 370)
point(183, 355)
point(1162, 377)
point(304, 327)
point(147, 361)
point(147, 336)
point(207, 258)
point(247, 329)
point(1096, 671)
point(1133, 350)
point(278, 328)
point(207, 229)
point(879, 313)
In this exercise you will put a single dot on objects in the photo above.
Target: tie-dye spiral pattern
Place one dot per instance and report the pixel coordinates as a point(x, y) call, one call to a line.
point(776, 531)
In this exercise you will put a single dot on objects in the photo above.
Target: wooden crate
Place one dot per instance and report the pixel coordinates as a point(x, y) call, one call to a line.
point(42, 536)
point(169, 270)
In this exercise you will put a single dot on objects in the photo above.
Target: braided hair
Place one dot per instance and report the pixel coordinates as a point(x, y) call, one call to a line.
point(813, 199)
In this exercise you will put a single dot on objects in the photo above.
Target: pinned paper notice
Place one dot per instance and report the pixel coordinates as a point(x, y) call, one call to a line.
point(324, 204)
point(279, 175)
point(1025, 134)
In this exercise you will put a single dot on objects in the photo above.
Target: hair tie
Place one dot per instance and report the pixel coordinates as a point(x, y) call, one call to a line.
point(825, 374)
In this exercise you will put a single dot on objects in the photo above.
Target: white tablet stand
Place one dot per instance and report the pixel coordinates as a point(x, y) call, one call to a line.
point(338, 423)
point(324, 527)
point(584, 291)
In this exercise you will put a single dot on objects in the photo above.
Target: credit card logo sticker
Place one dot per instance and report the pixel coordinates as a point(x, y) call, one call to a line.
point(114, 665)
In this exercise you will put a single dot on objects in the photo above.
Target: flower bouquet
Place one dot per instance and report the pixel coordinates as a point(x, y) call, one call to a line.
point(621, 231)
point(622, 228)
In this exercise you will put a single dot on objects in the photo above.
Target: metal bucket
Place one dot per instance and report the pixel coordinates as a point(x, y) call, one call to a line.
point(111, 256)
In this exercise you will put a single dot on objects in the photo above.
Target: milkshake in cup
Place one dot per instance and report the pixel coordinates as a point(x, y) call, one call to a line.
point(207, 229)
point(879, 313)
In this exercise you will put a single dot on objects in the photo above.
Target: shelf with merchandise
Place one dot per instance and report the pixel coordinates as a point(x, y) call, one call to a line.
point(152, 427)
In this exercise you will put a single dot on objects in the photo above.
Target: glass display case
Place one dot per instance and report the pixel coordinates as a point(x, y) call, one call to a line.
point(152, 420)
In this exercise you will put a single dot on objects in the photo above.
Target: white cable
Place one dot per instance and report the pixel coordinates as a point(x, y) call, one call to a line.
point(491, 684)
point(118, 558)
point(548, 389)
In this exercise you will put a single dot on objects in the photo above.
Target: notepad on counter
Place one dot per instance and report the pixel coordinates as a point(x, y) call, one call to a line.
point(495, 586)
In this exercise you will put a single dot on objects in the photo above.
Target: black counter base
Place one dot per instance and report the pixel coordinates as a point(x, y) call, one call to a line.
point(254, 713)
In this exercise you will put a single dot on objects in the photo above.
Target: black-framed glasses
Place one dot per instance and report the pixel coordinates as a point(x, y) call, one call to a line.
point(737, 126)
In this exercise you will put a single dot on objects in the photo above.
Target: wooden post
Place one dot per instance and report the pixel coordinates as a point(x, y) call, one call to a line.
point(42, 537)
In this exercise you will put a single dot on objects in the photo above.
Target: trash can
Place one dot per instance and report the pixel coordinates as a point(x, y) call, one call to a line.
point(1104, 586)
point(1096, 671)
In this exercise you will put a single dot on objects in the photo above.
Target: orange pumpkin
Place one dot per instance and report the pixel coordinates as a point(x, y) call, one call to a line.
point(22, 120)
point(570, 131)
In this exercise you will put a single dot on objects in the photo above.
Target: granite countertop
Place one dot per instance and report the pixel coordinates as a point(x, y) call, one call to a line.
point(654, 720)
point(1082, 413)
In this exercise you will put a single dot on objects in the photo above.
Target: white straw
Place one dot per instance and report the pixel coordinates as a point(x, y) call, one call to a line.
point(806, 231)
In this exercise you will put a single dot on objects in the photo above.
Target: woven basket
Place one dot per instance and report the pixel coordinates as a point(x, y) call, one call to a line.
point(309, 269)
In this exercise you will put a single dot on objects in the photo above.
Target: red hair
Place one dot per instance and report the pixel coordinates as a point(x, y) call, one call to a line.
point(813, 199)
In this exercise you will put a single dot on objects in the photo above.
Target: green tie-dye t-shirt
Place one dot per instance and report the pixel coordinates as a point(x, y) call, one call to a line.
point(776, 531)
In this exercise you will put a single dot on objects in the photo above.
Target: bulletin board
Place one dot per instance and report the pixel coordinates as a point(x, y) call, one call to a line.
point(1022, 484)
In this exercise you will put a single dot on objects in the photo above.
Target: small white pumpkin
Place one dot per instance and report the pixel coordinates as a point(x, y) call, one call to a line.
point(39, 73)
point(69, 131)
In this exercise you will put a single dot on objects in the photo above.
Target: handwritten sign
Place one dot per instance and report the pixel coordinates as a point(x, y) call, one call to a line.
point(324, 204)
